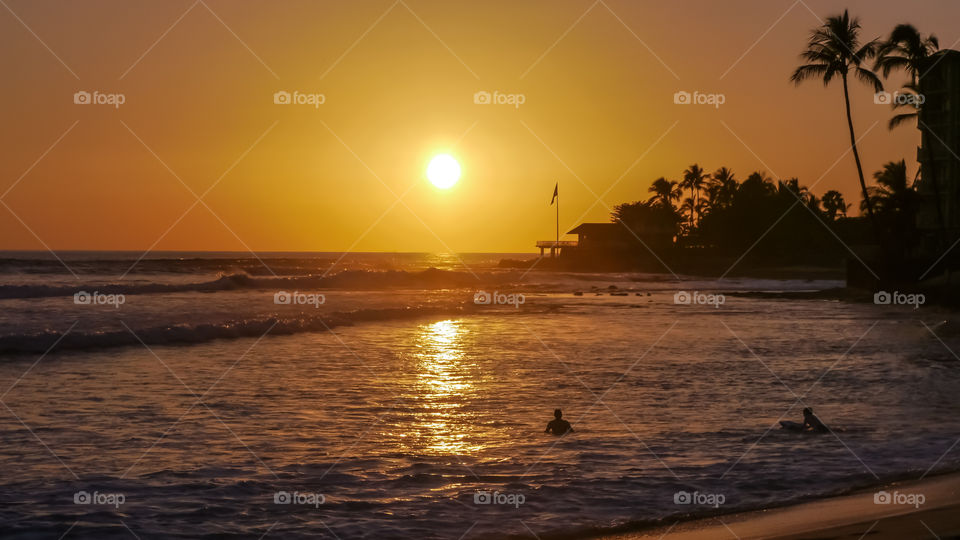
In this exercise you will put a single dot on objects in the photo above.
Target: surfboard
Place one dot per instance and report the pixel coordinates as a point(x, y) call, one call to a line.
point(792, 426)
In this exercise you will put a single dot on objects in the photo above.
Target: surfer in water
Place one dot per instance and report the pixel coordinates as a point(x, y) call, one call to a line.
point(812, 423)
point(558, 426)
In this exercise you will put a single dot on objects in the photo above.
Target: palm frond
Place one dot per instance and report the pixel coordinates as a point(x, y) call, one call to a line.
point(887, 63)
point(810, 71)
point(870, 78)
point(867, 51)
point(899, 119)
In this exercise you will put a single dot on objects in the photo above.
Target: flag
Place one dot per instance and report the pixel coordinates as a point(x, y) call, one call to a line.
point(555, 193)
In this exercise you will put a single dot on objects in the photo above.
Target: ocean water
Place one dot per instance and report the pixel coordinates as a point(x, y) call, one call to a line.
point(176, 398)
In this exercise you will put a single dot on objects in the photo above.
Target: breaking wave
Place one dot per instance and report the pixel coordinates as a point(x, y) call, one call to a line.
point(186, 334)
point(348, 279)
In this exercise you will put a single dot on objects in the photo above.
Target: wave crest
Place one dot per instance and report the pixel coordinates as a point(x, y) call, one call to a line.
point(347, 279)
point(183, 334)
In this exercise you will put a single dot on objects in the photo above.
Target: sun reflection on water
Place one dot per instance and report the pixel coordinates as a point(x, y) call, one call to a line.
point(444, 382)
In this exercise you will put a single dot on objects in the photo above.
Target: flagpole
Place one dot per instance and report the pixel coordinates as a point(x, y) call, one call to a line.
point(557, 244)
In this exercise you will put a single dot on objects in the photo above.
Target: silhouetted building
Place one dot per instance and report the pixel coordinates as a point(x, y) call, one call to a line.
point(591, 237)
point(615, 237)
point(599, 247)
point(611, 246)
point(601, 236)
point(939, 152)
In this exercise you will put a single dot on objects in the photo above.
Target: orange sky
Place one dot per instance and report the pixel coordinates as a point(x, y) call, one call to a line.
point(399, 81)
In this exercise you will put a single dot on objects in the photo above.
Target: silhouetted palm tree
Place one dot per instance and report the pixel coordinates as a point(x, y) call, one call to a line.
point(694, 179)
point(908, 50)
point(893, 194)
point(756, 187)
point(665, 192)
point(648, 219)
point(834, 50)
point(688, 208)
point(895, 200)
point(834, 205)
point(800, 193)
point(722, 188)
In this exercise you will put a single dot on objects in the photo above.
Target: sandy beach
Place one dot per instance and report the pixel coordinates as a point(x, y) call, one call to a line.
point(850, 516)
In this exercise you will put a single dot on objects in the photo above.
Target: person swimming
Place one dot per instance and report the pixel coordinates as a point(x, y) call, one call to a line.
point(812, 423)
point(558, 426)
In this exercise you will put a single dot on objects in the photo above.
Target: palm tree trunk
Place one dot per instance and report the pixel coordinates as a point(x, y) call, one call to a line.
point(699, 194)
point(856, 157)
point(696, 203)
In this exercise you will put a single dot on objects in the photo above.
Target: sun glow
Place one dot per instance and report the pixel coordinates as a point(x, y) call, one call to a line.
point(444, 386)
point(443, 171)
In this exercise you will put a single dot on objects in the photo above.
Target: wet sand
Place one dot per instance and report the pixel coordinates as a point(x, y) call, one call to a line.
point(846, 517)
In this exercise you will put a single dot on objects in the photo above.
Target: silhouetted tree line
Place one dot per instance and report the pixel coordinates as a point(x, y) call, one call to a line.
point(718, 212)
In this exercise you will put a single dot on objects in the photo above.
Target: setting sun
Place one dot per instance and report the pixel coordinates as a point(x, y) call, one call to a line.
point(443, 171)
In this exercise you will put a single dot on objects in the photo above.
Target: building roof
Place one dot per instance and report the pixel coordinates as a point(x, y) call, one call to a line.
point(950, 53)
point(596, 228)
point(939, 60)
